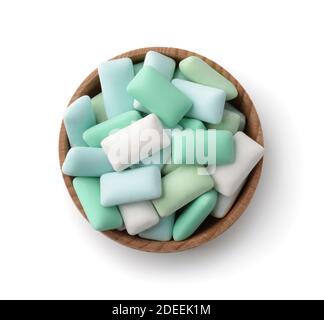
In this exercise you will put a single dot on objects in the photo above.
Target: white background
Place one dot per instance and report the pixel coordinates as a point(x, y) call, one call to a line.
point(274, 48)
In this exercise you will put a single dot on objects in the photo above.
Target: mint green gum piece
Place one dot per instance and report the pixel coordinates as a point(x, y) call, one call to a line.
point(199, 71)
point(138, 67)
point(231, 121)
point(180, 187)
point(194, 215)
point(161, 63)
point(98, 107)
point(94, 135)
point(229, 107)
point(224, 149)
point(160, 232)
point(101, 218)
point(194, 124)
point(159, 96)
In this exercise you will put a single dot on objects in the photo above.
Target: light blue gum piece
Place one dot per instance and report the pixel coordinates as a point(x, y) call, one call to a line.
point(98, 107)
point(162, 231)
point(86, 162)
point(163, 64)
point(115, 76)
point(228, 106)
point(208, 103)
point(78, 117)
point(131, 185)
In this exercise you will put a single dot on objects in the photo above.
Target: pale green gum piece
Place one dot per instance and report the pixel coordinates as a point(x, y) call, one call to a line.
point(199, 71)
point(98, 107)
point(231, 121)
point(229, 107)
point(169, 167)
point(180, 187)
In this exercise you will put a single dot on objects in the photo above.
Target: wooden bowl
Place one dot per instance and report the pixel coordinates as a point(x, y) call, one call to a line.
point(212, 227)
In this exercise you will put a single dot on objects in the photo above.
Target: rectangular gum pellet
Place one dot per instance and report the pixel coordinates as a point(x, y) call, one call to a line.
point(162, 231)
point(94, 135)
point(138, 216)
point(208, 102)
point(180, 187)
point(98, 107)
point(217, 147)
point(86, 162)
point(101, 218)
point(130, 186)
point(231, 121)
point(138, 131)
point(228, 178)
point(228, 106)
point(224, 204)
point(159, 96)
point(197, 70)
point(78, 117)
point(193, 215)
point(193, 124)
point(161, 63)
point(115, 76)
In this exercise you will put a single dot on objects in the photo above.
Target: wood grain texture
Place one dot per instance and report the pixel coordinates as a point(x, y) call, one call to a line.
point(212, 227)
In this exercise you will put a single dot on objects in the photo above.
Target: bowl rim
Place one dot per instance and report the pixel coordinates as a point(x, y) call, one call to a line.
point(91, 86)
